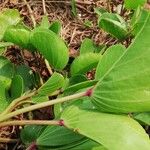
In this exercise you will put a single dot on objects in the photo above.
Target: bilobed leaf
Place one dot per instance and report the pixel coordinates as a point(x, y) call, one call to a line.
point(138, 20)
point(106, 129)
point(85, 63)
point(3, 100)
point(6, 71)
point(131, 4)
point(51, 47)
point(54, 83)
point(17, 87)
point(124, 87)
point(55, 27)
point(19, 36)
point(113, 24)
point(108, 59)
point(7, 18)
point(58, 136)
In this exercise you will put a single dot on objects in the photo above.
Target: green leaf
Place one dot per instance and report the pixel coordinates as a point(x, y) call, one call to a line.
point(55, 27)
point(143, 117)
point(51, 47)
point(30, 133)
point(28, 77)
point(6, 71)
point(87, 46)
point(138, 20)
point(74, 8)
point(58, 136)
point(77, 79)
point(114, 25)
point(54, 83)
point(99, 11)
point(74, 88)
point(130, 4)
point(88, 23)
point(108, 59)
point(125, 85)
point(3, 100)
point(19, 36)
point(106, 129)
point(80, 65)
point(45, 22)
point(39, 98)
point(17, 87)
point(7, 18)
point(88, 145)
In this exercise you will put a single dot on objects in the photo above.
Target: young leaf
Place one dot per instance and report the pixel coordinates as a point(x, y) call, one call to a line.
point(87, 46)
point(124, 87)
point(17, 87)
point(3, 100)
point(85, 63)
point(138, 20)
point(19, 36)
point(55, 27)
point(54, 83)
point(45, 23)
point(130, 4)
point(113, 24)
point(106, 129)
point(51, 47)
point(7, 18)
point(6, 71)
point(108, 59)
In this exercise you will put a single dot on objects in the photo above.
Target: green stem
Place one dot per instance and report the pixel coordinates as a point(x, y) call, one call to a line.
point(30, 122)
point(42, 105)
point(16, 101)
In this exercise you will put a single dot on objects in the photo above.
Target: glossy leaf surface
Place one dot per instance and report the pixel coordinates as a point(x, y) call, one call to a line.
point(107, 129)
point(54, 83)
point(113, 24)
point(132, 4)
point(84, 63)
point(124, 87)
point(51, 47)
point(7, 18)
